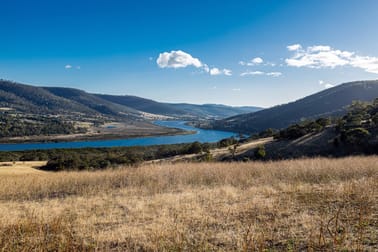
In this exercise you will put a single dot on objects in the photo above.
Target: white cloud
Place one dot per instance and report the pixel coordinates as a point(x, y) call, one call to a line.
point(177, 59)
point(242, 63)
point(294, 47)
point(252, 73)
point(321, 56)
point(236, 89)
point(206, 68)
point(215, 71)
point(227, 72)
point(325, 85)
point(181, 59)
point(257, 60)
point(273, 74)
point(252, 62)
point(369, 64)
point(67, 66)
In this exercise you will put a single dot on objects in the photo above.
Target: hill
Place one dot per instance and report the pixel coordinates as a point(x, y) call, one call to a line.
point(330, 102)
point(92, 101)
point(181, 110)
point(30, 99)
point(69, 101)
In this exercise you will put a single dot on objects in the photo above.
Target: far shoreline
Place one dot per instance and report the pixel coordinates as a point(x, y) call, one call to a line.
point(90, 137)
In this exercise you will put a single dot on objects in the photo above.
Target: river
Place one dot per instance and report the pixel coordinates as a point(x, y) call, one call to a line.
point(201, 135)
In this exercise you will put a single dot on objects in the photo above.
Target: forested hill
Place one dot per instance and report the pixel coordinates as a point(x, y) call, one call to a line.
point(59, 100)
point(178, 109)
point(329, 102)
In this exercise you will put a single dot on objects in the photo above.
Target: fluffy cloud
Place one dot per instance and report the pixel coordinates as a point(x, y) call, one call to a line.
point(321, 56)
point(177, 59)
point(252, 62)
point(67, 66)
point(294, 47)
point(217, 71)
point(181, 59)
point(273, 74)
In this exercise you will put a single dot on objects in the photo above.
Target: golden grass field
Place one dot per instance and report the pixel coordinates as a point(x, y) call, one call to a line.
point(299, 205)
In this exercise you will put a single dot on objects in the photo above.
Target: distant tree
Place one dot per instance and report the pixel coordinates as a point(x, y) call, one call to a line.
point(195, 148)
point(356, 136)
point(260, 152)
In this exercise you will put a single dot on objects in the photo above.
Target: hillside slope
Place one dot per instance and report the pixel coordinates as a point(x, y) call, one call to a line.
point(182, 110)
point(64, 101)
point(30, 99)
point(330, 102)
point(92, 101)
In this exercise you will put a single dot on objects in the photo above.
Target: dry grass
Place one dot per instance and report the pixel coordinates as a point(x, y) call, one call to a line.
point(20, 167)
point(311, 204)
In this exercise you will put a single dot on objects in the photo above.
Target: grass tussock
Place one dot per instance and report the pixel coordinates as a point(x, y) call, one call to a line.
point(311, 204)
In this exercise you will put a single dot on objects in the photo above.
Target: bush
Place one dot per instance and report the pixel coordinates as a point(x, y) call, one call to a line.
point(356, 136)
point(260, 152)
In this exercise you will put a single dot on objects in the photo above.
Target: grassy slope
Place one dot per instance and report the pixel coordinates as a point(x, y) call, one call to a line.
point(319, 204)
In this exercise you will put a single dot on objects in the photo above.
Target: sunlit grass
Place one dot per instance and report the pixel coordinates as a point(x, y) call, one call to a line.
point(310, 204)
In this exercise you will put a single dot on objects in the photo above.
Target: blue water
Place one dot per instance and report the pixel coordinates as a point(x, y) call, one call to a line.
point(201, 135)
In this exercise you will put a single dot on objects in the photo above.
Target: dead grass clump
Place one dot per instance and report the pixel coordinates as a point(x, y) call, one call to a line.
point(33, 233)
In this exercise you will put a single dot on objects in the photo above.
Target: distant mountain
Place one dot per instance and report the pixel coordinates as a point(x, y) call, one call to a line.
point(58, 100)
point(214, 110)
point(330, 102)
point(92, 101)
point(30, 99)
point(142, 104)
point(178, 109)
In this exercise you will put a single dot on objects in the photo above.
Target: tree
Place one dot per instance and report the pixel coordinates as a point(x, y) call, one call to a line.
point(260, 152)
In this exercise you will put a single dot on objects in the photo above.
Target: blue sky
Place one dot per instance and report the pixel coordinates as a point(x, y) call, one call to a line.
point(231, 52)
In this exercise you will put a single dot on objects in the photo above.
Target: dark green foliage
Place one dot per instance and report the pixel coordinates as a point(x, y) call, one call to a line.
point(100, 158)
point(267, 133)
point(227, 142)
point(298, 130)
point(14, 125)
point(260, 152)
point(359, 127)
point(356, 136)
point(195, 148)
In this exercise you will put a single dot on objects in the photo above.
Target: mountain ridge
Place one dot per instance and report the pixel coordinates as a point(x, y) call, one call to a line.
point(329, 102)
point(62, 100)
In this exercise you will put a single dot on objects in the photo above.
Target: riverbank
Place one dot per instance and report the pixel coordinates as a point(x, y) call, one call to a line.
point(109, 131)
point(164, 132)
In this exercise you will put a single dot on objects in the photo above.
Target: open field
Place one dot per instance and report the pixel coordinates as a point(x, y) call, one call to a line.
point(310, 204)
point(21, 168)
